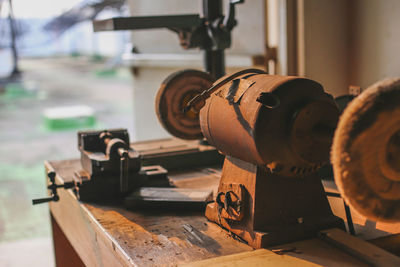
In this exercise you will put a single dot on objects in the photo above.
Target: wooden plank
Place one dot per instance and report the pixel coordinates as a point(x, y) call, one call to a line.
point(319, 252)
point(165, 239)
point(109, 235)
point(65, 254)
point(365, 229)
point(113, 236)
point(175, 154)
point(93, 245)
point(389, 243)
point(359, 248)
point(203, 177)
point(200, 178)
point(162, 146)
point(260, 257)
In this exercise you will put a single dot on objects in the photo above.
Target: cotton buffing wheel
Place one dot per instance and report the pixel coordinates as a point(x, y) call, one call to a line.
point(366, 152)
point(175, 92)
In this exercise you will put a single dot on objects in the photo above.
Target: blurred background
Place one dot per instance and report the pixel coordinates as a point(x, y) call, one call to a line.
point(57, 77)
point(50, 59)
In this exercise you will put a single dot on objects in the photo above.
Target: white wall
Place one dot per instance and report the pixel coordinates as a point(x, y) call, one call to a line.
point(351, 42)
point(326, 44)
point(375, 41)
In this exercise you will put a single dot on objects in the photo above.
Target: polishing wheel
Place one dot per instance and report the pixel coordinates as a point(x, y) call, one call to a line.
point(174, 94)
point(366, 152)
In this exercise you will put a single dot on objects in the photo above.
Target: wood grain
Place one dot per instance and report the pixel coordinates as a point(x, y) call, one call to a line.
point(109, 235)
point(260, 257)
point(105, 235)
point(65, 254)
point(361, 249)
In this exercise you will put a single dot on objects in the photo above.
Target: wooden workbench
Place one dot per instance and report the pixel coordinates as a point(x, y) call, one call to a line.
point(109, 235)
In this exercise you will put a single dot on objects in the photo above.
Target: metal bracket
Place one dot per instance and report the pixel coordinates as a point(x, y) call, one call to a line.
point(230, 200)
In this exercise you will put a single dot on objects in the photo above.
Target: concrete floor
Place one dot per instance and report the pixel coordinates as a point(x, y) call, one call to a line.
point(25, 234)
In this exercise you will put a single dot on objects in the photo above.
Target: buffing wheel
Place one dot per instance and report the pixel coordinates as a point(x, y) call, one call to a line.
point(174, 94)
point(366, 152)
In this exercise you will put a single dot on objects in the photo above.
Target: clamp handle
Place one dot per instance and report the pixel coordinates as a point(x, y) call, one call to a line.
point(53, 187)
point(124, 170)
point(45, 199)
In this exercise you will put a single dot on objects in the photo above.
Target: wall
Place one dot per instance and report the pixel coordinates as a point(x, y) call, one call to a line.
point(326, 44)
point(375, 40)
point(350, 42)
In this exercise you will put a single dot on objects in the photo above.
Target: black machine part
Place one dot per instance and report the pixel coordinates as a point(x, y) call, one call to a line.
point(53, 187)
point(168, 198)
point(108, 151)
point(210, 32)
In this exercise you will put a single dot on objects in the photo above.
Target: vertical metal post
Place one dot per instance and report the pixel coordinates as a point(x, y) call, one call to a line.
point(214, 60)
point(349, 219)
point(15, 69)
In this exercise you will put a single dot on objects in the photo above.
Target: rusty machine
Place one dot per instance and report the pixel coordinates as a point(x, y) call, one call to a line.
point(275, 132)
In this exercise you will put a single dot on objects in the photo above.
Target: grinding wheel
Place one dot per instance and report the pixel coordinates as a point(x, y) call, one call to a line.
point(366, 152)
point(174, 94)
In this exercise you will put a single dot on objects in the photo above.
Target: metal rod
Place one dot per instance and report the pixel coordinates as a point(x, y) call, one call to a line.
point(214, 60)
point(148, 22)
point(212, 9)
point(41, 200)
point(215, 63)
point(15, 69)
point(349, 219)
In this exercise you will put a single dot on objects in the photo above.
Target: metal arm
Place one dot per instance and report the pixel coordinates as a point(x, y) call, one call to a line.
point(180, 22)
point(211, 32)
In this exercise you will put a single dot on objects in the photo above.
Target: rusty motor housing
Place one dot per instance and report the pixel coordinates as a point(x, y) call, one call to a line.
point(283, 122)
point(275, 131)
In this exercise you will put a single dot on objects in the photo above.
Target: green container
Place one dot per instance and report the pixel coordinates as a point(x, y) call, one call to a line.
point(69, 118)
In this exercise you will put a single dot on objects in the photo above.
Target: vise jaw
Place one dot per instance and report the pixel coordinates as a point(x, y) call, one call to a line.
point(111, 168)
point(108, 151)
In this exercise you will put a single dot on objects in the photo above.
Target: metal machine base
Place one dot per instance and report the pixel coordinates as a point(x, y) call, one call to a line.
point(266, 209)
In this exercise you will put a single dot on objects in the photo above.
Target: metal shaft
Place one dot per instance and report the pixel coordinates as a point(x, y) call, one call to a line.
point(214, 60)
point(13, 33)
point(215, 63)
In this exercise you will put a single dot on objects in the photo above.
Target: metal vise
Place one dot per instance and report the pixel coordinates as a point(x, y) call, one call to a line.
point(108, 152)
point(110, 168)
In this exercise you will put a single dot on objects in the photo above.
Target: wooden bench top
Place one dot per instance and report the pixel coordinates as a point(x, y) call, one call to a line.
point(109, 235)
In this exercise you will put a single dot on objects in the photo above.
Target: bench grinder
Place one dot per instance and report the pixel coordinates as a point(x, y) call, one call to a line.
point(275, 132)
